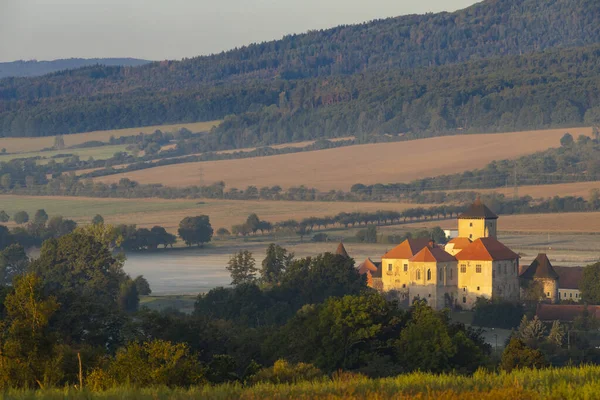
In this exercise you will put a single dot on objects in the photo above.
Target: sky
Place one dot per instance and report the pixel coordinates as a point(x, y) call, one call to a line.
point(175, 29)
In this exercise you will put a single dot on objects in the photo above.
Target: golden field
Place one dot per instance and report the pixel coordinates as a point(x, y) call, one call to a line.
point(543, 191)
point(340, 168)
point(20, 145)
point(168, 213)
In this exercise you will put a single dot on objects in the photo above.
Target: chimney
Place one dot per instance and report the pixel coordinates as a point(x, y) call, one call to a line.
point(431, 243)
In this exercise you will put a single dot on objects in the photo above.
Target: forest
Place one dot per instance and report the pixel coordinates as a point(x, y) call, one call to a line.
point(506, 65)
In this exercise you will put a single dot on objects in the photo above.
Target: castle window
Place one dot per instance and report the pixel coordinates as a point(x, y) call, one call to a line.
point(440, 274)
point(471, 236)
point(429, 295)
point(463, 268)
point(428, 274)
point(405, 267)
point(418, 274)
point(471, 224)
point(450, 273)
point(571, 295)
point(464, 299)
point(576, 295)
point(403, 285)
point(478, 288)
point(564, 295)
point(478, 268)
point(390, 267)
point(548, 294)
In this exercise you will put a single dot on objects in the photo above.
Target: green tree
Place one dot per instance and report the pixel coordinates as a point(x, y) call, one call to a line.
point(590, 284)
point(253, 222)
point(242, 268)
point(4, 217)
point(567, 140)
point(13, 263)
point(6, 181)
point(143, 287)
point(40, 217)
point(195, 230)
point(518, 355)
point(275, 263)
point(27, 345)
point(21, 217)
point(157, 362)
point(221, 232)
point(86, 279)
point(129, 299)
point(97, 220)
point(368, 235)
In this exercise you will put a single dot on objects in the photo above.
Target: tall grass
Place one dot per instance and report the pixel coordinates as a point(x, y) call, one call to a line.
point(557, 383)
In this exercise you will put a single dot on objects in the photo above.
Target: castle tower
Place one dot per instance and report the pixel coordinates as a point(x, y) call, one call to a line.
point(341, 250)
point(477, 222)
point(542, 272)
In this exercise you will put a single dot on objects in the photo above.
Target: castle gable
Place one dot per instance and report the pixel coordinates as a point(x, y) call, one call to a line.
point(432, 254)
point(407, 249)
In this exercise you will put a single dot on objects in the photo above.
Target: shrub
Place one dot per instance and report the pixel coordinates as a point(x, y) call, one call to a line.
point(320, 237)
point(285, 372)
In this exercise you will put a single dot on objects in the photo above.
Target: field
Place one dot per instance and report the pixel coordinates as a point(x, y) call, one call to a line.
point(372, 163)
point(168, 213)
point(98, 153)
point(544, 191)
point(556, 383)
point(20, 145)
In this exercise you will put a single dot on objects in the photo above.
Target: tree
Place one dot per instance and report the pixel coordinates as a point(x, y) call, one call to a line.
point(590, 284)
point(27, 346)
point(143, 287)
point(223, 232)
point(368, 235)
point(157, 362)
point(275, 263)
point(97, 220)
point(40, 217)
point(242, 268)
point(86, 278)
point(253, 222)
point(13, 263)
point(21, 217)
point(4, 217)
point(567, 140)
point(195, 230)
point(57, 226)
point(59, 142)
point(518, 355)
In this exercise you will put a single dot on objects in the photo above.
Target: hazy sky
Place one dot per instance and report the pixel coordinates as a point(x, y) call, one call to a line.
point(172, 29)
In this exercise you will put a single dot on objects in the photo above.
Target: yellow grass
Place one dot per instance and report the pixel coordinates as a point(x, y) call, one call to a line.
point(19, 145)
point(168, 213)
point(372, 163)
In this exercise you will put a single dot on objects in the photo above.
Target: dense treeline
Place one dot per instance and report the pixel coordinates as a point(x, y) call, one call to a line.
point(374, 77)
point(37, 68)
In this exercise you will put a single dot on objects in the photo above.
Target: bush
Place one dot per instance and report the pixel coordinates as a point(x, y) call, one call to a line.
point(21, 217)
point(320, 237)
point(517, 355)
point(285, 372)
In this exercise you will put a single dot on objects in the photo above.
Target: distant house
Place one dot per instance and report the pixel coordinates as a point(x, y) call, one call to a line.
point(564, 312)
point(569, 281)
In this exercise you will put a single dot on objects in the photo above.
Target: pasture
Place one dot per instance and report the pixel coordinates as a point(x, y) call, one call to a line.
point(340, 168)
point(98, 153)
point(21, 145)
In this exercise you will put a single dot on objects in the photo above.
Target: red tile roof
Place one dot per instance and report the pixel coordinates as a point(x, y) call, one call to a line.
point(569, 277)
point(341, 250)
point(487, 249)
point(432, 254)
point(460, 242)
point(478, 210)
point(407, 249)
point(369, 266)
point(540, 268)
point(553, 312)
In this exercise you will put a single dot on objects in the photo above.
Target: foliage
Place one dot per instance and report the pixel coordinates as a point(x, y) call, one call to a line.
point(40, 217)
point(590, 284)
point(142, 286)
point(97, 220)
point(13, 263)
point(276, 261)
point(4, 217)
point(242, 268)
point(195, 230)
point(21, 217)
point(368, 235)
point(285, 372)
point(518, 355)
point(493, 314)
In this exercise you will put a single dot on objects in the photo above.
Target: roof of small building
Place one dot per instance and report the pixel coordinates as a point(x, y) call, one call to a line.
point(478, 210)
point(407, 249)
point(569, 277)
point(432, 254)
point(371, 267)
point(486, 249)
point(540, 268)
point(564, 312)
point(460, 242)
point(341, 250)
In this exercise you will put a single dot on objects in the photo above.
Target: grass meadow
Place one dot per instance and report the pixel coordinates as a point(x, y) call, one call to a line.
point(98, 153)
point(22, 145)
point(556, 383)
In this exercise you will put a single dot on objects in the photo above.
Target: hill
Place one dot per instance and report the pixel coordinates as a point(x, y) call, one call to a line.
point(435, 73)
point(22, 68)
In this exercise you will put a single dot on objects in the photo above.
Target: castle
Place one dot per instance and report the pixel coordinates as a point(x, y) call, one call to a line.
point(474, 264)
